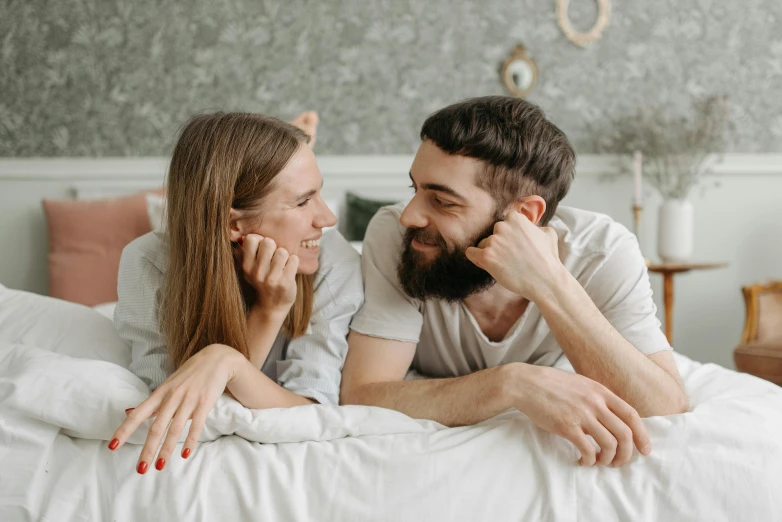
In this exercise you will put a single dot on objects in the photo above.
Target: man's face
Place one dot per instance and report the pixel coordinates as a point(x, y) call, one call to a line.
point(448, 214)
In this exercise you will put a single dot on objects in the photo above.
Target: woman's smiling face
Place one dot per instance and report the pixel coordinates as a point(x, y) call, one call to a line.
point(293, 213)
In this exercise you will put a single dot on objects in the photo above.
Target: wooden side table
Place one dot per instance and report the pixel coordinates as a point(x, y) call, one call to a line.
point(668, 270)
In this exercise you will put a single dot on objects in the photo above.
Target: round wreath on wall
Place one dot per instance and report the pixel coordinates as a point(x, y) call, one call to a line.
point(582, 39)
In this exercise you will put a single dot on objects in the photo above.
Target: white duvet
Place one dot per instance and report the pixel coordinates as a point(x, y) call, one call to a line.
point(64, 386)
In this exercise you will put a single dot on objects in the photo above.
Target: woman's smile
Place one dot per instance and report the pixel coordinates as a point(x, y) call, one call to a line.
point(311, 245)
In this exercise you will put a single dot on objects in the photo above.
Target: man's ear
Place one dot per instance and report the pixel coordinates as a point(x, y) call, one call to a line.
point(531, 206)
point(235, 230)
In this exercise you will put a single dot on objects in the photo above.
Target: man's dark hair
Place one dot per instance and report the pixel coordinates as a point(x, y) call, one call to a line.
point(524, 153)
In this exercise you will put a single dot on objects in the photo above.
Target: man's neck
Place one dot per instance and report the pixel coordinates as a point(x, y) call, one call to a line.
point(496, 310)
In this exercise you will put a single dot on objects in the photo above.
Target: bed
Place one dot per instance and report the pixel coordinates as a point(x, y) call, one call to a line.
point(64, 385)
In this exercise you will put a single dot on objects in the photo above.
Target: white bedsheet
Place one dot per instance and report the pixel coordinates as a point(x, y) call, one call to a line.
point(721, 461)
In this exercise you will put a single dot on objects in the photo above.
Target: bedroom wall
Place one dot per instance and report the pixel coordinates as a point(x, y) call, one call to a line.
point(117, 78)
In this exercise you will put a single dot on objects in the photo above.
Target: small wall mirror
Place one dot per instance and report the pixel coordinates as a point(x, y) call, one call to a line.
point(519, 72)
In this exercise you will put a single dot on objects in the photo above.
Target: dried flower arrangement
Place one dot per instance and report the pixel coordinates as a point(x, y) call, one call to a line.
point(677, 152)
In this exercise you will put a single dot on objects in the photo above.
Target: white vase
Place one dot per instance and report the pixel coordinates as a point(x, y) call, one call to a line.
point(675, 231)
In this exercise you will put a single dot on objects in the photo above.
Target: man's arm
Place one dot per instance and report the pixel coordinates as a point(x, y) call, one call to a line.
point(651, 384)
point(524, 259)
point(566, 404)
point(374, 376)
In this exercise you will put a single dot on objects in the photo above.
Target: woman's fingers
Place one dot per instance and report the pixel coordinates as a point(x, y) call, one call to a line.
point(263, 257)
point(266, 249)
point(606, 441)
point(174, 431)
point(199, 418)
point(277, 264)
point(191, 391)
point(623, 435)
point(133, 419)
point(249, 248)
point(291, 267)
point(156, 432)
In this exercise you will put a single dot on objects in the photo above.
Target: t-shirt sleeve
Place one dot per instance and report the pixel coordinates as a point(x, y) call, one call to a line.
point(387, 312)
point(621, 290)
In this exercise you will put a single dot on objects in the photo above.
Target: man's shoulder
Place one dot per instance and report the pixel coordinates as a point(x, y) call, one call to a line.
point(385, 232)
point(584, 233)
point(388, 216)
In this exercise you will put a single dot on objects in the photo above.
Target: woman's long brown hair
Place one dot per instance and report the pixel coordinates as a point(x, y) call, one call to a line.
point(220, 161)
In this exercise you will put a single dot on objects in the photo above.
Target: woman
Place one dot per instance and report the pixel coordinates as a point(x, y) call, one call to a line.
point(242, 278)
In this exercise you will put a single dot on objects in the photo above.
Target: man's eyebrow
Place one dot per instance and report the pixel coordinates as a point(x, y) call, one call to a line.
point(308, 194)
point(439, 188)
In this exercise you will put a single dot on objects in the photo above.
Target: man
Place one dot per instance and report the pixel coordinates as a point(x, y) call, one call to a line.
point(480, 282)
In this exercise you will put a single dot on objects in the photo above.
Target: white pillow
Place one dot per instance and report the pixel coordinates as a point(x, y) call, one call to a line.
point(106, 309)
point(60, 326)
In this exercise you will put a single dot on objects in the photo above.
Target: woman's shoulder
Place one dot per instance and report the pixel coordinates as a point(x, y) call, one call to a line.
point(335, 250)
point(141, 274)
point(339, 273)
point(147, 252)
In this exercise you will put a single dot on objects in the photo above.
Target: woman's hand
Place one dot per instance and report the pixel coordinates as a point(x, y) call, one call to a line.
point(189, 393)
point(271, 271)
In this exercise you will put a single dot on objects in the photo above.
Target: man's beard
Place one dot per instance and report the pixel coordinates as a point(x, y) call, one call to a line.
point(450, 275)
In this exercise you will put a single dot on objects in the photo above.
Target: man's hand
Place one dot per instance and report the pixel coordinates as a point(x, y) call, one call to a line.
point(521, 256)
point(573, 406)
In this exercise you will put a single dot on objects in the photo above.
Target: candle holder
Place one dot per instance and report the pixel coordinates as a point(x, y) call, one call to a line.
point(637, 209)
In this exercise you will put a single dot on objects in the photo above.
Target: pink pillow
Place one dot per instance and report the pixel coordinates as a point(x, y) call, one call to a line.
point(86, 239)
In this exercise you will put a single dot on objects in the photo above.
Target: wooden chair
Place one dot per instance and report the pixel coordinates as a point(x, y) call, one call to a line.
point(760, 351)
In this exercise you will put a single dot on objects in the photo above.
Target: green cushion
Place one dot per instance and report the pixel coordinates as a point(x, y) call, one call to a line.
point(359, 212)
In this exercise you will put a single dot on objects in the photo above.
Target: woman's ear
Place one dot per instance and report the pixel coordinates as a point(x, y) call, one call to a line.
point(531, 206)
point(235, 230)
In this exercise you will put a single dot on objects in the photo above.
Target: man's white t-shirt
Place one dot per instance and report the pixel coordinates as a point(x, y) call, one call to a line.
point(600, 253)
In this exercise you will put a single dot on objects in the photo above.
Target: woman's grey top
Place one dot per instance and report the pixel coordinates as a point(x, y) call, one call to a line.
point(310, 365)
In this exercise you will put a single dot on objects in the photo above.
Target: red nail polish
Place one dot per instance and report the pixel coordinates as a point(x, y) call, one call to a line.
point(160, 464)
point(113, 444)
point(142, 467)
point(129, 409)
point(240, 240)
point(185, 453)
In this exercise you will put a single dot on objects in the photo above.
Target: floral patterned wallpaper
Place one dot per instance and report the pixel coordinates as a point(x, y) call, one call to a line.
point(118, 77)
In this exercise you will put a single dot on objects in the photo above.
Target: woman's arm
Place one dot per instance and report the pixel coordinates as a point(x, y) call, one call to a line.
point(190, 393)
point(255, 390)
point(262, 330)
